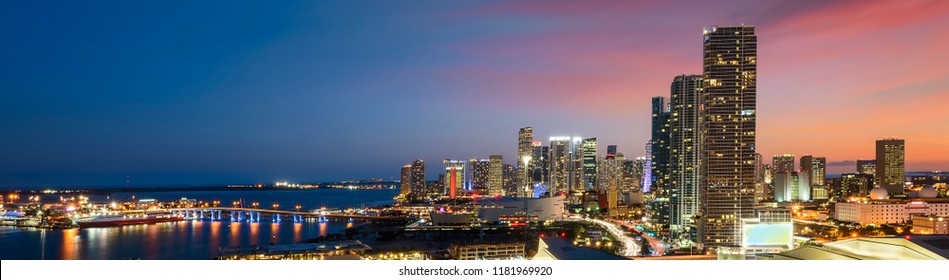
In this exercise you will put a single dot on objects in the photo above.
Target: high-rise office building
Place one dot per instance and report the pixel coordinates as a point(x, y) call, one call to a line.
point(647, 169)
point(783, 163)
point(792, 186)
point(418, 179)
point(575, 180)
point(525, 161)
point(727, 185)
point(559, 165)
point(511, 175)
point(851, 185)
point(816, 167)
point(495, 175)
point(684, 148)
point(454, 181)
point(660, 135)
point(890, 165)
point(610, 151)
point(867, 166)
point(541, 163)
point(479, 169)
point(589, 163)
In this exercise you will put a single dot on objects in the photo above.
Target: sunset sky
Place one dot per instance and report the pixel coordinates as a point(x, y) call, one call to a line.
point(217, 92)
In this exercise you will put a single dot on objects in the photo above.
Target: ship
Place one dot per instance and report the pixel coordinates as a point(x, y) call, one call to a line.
point(117, 221)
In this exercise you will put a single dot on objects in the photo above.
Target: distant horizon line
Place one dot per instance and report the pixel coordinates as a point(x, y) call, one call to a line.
point(206, 185)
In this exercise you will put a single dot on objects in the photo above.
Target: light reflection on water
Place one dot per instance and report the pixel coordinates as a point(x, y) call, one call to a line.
point(186, 239)
point(175, 240)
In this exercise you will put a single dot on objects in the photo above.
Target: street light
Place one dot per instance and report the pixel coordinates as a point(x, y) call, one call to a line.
point(255, 204)
point(298, 208)
point(275, 205)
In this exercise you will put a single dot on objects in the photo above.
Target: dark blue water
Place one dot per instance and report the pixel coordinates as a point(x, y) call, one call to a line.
point(187, 240)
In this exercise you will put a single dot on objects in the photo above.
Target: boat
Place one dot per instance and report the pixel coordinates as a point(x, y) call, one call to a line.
point(116, 221)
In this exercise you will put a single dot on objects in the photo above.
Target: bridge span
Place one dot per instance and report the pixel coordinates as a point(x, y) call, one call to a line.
point(254, 214)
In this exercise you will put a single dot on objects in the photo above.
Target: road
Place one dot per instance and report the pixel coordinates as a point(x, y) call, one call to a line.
point(656, 244)
point(630, 247)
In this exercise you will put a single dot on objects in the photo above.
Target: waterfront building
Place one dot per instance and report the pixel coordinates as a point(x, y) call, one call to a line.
point(406, 182)
point(495, 175)
point(816, 167)
point(522, 209)
point(890, 165)
point(728, 133)
point(589, 163)
point(487, 251)
point(418, 179)
point(454, 180)
point(684, 148)
point(343, 250)
point(783, 163)
point(525, 161)
point(868, 167)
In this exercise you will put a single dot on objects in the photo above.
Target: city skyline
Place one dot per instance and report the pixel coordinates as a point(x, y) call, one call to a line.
point(262, 117)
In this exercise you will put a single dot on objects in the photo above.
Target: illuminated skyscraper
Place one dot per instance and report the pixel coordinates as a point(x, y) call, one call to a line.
point(661, 189)
point(510, 180)
point(406, 180)
point(418, 188)
point(890, 165)
point(610, 151)
point(541, 163)
point(575, 181)
point(792, 186)
point(589, 163)
point(868, 167)
point(559, 165)
point(727, 185)
point(660, 144)
point(684, 148)
point(479, 175)
point(816, 167)
point(495, 175)
point(525, 161)
point(454, 181)
point(783, 163)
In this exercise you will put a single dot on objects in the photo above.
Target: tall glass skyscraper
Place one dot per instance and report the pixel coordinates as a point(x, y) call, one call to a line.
point(525, 161)
point(559, 162)
point(684, 148)
point(495, 175)
point(727, 186)
point(659, 207)
point(589, 163)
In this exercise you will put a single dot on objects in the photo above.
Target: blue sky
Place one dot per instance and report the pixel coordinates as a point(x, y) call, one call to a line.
point(216, 92)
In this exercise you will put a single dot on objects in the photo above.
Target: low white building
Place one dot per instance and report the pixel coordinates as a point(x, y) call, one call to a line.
point(521, 209)
point(888, 211)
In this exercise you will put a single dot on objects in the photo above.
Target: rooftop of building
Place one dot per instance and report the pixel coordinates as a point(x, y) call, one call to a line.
point(556, 248)
point(915, 247)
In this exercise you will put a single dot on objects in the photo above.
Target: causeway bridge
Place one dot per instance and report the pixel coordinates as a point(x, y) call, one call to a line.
point(238, 214)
